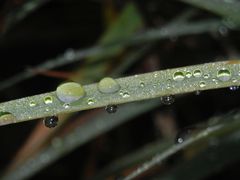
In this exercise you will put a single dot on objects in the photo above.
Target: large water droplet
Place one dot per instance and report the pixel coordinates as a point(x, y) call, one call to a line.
point(48, 100)
point(178, 76)
point(197, 73)
point(142, 84)
point(7, 118)
point(51, 121)
point(108, 85)
point(168, 100)
point(224, 74)
point(111, 108)
point(70, 92)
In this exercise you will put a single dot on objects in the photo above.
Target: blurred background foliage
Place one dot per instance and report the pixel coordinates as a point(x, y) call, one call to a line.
point(94, 144)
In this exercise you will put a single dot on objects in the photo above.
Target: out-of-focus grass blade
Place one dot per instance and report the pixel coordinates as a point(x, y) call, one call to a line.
point(228, 9)
point(218, 130)
point(94, 127)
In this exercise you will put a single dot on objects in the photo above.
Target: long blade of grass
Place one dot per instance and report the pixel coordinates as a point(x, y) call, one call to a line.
point(227, 9)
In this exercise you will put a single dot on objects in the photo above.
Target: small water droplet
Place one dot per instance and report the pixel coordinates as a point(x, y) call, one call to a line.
point(202, 84)
point(48, 100)
point(184, 134)
point(224, 74)
point(32, 103)
point(51, 121)
point(111, 108)
point(234, 80)
point(234, 88)
point(66, 105)
point(7, 118)
point(168, 100)
point(69, 54)
point(155, 75)
point(108, 85)
point(125, 95)
point(223, 30)
point(178, 76)
point(90, 101)
point(198, 92)
point(197, 73)
point(142, 84)
point(206, 76)
point(188, 74)
point(70, 92)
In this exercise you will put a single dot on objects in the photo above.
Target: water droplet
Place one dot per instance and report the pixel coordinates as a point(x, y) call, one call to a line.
point(234, 80)
point(7, 118)
point(198, 92)
point(178, 76)
point(168, 100)
point(155, 75)
point(108, 85)
point(90, 101)
point(206, 76)
point(111, 108)
point(32, 103)
point(202, 84)
point(142, 84)
point(125, 95)
point(51, 121)
point(184, 134)
point(66, 105)
point(69, 54)
point(70, 92)
point(224, 74)
point(197, 73)
point(234, 88)
point(48, 100)
point(188, 74)
point(223, 30)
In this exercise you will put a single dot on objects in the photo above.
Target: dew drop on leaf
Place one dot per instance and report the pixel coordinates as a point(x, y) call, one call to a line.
point(178, 76)
point(7, 118)
point(50, 121)
point(70, 92)
point(224, 74)
point(111, 108)
point(90, 101)
point(32, 103)
point(108, 85)
point(48, 100)
point(168, 100)
point(197, 73)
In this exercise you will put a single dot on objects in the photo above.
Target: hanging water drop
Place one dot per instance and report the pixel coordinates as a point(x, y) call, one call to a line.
point(178, 76)
point(70, 92)
point(168, 100)
point(224, 74)
point(51, 121)
point(184, 134)
point(234, 88)
point(111, 108)
point(108, 85)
